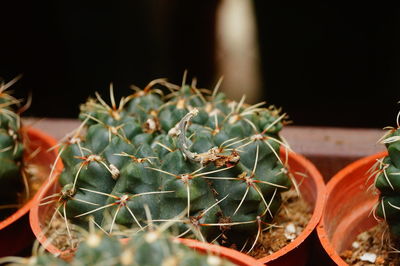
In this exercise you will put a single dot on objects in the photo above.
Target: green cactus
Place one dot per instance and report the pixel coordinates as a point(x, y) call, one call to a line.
point(191, 151)
point(153, 247)
point(11, 151)
point(387, 172)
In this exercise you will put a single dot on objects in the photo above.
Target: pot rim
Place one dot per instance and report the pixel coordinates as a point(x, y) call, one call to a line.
point(35, 133)
point(338, 177)
point(232, 255)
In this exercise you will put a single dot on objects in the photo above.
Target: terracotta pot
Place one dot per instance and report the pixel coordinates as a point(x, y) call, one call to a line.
point(15, 232)
point(348, 208)
point(295, 253)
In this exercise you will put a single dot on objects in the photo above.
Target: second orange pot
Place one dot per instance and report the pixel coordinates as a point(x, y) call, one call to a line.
point(348, 208)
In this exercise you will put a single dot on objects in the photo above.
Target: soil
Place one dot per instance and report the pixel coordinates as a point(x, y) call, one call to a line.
point(58, 236)
point(288, 224)
point(37, 174)
point(374, 243)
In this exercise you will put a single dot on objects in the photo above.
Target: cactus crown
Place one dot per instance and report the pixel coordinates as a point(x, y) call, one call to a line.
point(13, 182)
point(192, 151)
point(386, 172)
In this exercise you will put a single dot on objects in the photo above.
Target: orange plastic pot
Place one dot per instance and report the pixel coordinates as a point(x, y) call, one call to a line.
point(295, 253)
point(348, 207)
point(15, 232)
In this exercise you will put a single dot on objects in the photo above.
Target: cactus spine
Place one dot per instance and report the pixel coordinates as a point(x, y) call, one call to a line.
point(192, 151)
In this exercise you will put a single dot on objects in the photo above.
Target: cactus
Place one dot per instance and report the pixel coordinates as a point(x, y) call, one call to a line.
point(153, 247)
point(12, 175)
point(386, 172)
point(191, 151)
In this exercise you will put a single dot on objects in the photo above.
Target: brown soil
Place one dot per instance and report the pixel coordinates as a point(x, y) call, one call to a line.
point(37, 174)
point(58, 234)
point(290, 221)
point(375, 242)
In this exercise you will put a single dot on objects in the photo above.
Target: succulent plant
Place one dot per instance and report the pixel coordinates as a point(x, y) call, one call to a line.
point(12, 175)
point(192, 151)
point(145, 248)
point(387, 173)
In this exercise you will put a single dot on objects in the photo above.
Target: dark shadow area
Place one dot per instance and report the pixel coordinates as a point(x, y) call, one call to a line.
point(67, 50)
point(325, 66)
point(329, 65)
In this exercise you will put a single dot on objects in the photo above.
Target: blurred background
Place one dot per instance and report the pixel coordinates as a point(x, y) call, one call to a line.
point(324, 65)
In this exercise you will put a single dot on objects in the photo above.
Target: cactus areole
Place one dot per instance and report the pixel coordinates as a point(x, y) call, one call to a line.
point(194, 157)
point(387, 181)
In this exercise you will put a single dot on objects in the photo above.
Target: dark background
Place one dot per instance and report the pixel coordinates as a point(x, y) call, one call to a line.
point(325, 66)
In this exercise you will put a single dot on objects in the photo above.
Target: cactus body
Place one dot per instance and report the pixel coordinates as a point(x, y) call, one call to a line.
point(11, 150)
point(196, 157)
point(144, 249)
point(387, 181)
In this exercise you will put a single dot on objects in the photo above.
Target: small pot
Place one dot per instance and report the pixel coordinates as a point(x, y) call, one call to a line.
point(15, 232)
point(348, 207)
point(295, 253)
